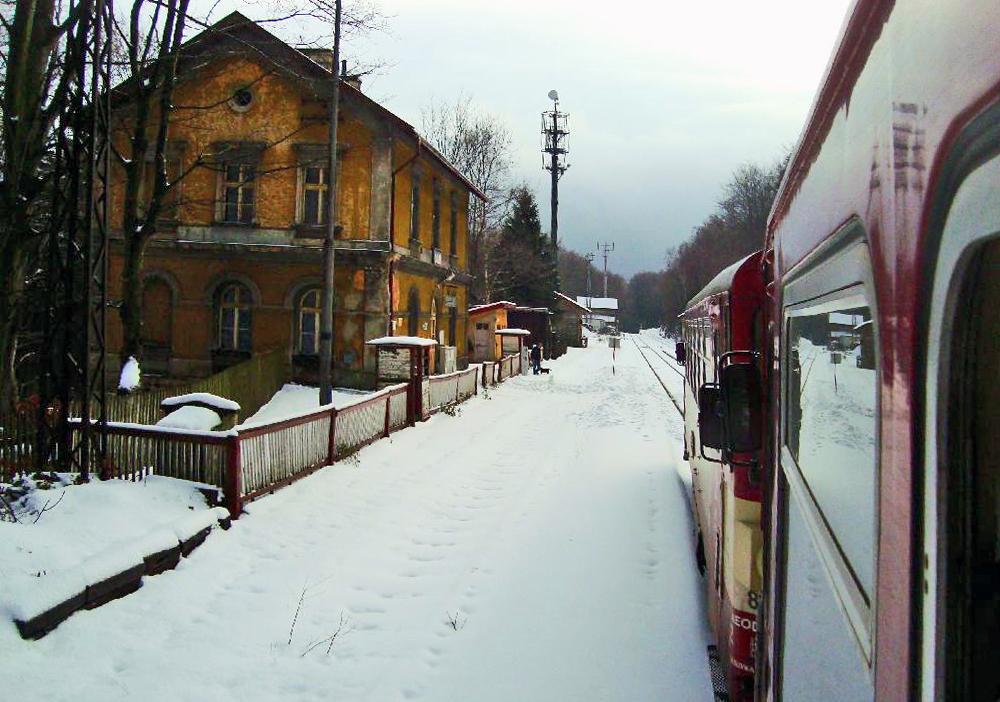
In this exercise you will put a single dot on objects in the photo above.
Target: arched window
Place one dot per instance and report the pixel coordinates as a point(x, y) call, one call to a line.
point(234, 318)
point(157, 313)
point(307, 321)
point(413, 312)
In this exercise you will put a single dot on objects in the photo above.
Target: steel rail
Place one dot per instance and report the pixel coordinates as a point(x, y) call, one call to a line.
point(670, 395)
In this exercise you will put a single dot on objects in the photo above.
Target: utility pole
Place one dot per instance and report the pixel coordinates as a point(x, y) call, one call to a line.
point(606, 249)
point(554, 143)
point(326, 311)
point(590, 259)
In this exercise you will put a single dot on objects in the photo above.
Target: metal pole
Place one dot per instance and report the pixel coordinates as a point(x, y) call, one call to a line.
point(605, 249)
point(326, 312)
point(555, 182)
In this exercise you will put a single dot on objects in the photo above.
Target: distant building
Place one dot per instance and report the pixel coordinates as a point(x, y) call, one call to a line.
point(484, 320)
point(603, 315)
point(537, 321)
point(567, 323)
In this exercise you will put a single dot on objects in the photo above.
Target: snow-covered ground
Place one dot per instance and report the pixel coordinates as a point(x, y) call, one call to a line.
point(536, 546)
point(295, 399)
point(66, 529)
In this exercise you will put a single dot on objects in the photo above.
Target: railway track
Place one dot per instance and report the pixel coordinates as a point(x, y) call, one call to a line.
point(677, 405)
point(666, 356)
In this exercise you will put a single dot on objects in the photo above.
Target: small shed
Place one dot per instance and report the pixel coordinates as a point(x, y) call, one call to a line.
point(512, 340)
point(484, 320)
point(567, 322)
point(536, 320)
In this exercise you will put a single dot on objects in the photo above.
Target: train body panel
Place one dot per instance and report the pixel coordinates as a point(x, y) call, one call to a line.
point(723, 318)
point(863, 594)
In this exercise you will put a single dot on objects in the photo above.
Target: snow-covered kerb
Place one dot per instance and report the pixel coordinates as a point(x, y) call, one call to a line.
point(248, 462)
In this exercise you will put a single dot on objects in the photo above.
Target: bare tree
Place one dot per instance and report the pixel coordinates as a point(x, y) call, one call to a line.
point(478, 144)
point(36, 91)
point(152, 48)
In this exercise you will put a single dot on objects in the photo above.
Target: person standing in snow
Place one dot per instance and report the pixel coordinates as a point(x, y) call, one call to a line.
point(536, 359)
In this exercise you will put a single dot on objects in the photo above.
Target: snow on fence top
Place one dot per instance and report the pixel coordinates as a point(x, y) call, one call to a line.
point(401, 341)
point(202, 398)
point(513, 332)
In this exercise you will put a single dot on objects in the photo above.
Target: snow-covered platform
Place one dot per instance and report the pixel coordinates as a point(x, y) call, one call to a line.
point(535, 545)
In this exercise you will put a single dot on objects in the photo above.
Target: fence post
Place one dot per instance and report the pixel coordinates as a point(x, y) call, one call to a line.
point(388, 403)
point(331, 445)
point(233, 489)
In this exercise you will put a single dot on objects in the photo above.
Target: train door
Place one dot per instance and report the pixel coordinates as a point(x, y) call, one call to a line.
point(961, 609)
point(829, 471)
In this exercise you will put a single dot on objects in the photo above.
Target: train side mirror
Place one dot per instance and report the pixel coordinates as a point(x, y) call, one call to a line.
point(710, 415)
point(740, 387)
point(680, 352)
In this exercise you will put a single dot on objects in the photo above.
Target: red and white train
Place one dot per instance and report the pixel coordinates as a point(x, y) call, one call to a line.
point(844, 383)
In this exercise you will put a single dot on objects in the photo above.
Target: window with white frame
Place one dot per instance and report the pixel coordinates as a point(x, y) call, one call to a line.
point(238, 204)
point(314, 195)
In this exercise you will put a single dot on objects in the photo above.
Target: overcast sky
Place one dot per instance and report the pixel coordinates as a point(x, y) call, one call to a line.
point(666, 98)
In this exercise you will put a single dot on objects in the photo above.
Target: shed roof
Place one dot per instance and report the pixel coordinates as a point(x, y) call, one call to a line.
point(502, 304)
point(401, 341)
point(598, 303)
point(513, 332)
point(566, 298)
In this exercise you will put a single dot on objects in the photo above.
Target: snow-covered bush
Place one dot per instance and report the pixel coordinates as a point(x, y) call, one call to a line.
point(130, 376)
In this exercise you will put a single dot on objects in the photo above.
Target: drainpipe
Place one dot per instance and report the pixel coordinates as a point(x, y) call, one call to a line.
point(389, 318)
point(392, 192)
point(392, 230)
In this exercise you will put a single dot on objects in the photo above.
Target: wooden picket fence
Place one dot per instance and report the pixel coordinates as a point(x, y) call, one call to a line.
point(249, 462)
point(250, 383)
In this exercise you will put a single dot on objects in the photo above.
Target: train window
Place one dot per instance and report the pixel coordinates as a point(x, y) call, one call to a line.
point(829, 461)
point(831, 425)
point(819, 662)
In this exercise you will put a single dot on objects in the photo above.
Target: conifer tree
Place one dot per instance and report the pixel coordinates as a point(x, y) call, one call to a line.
point(524, 262)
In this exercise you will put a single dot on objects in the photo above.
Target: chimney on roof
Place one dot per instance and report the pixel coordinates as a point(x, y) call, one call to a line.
point(324, 57)
point(352, 80)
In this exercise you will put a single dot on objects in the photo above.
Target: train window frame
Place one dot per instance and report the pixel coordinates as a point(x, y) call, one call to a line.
point(837, 274)
point(967, 222)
